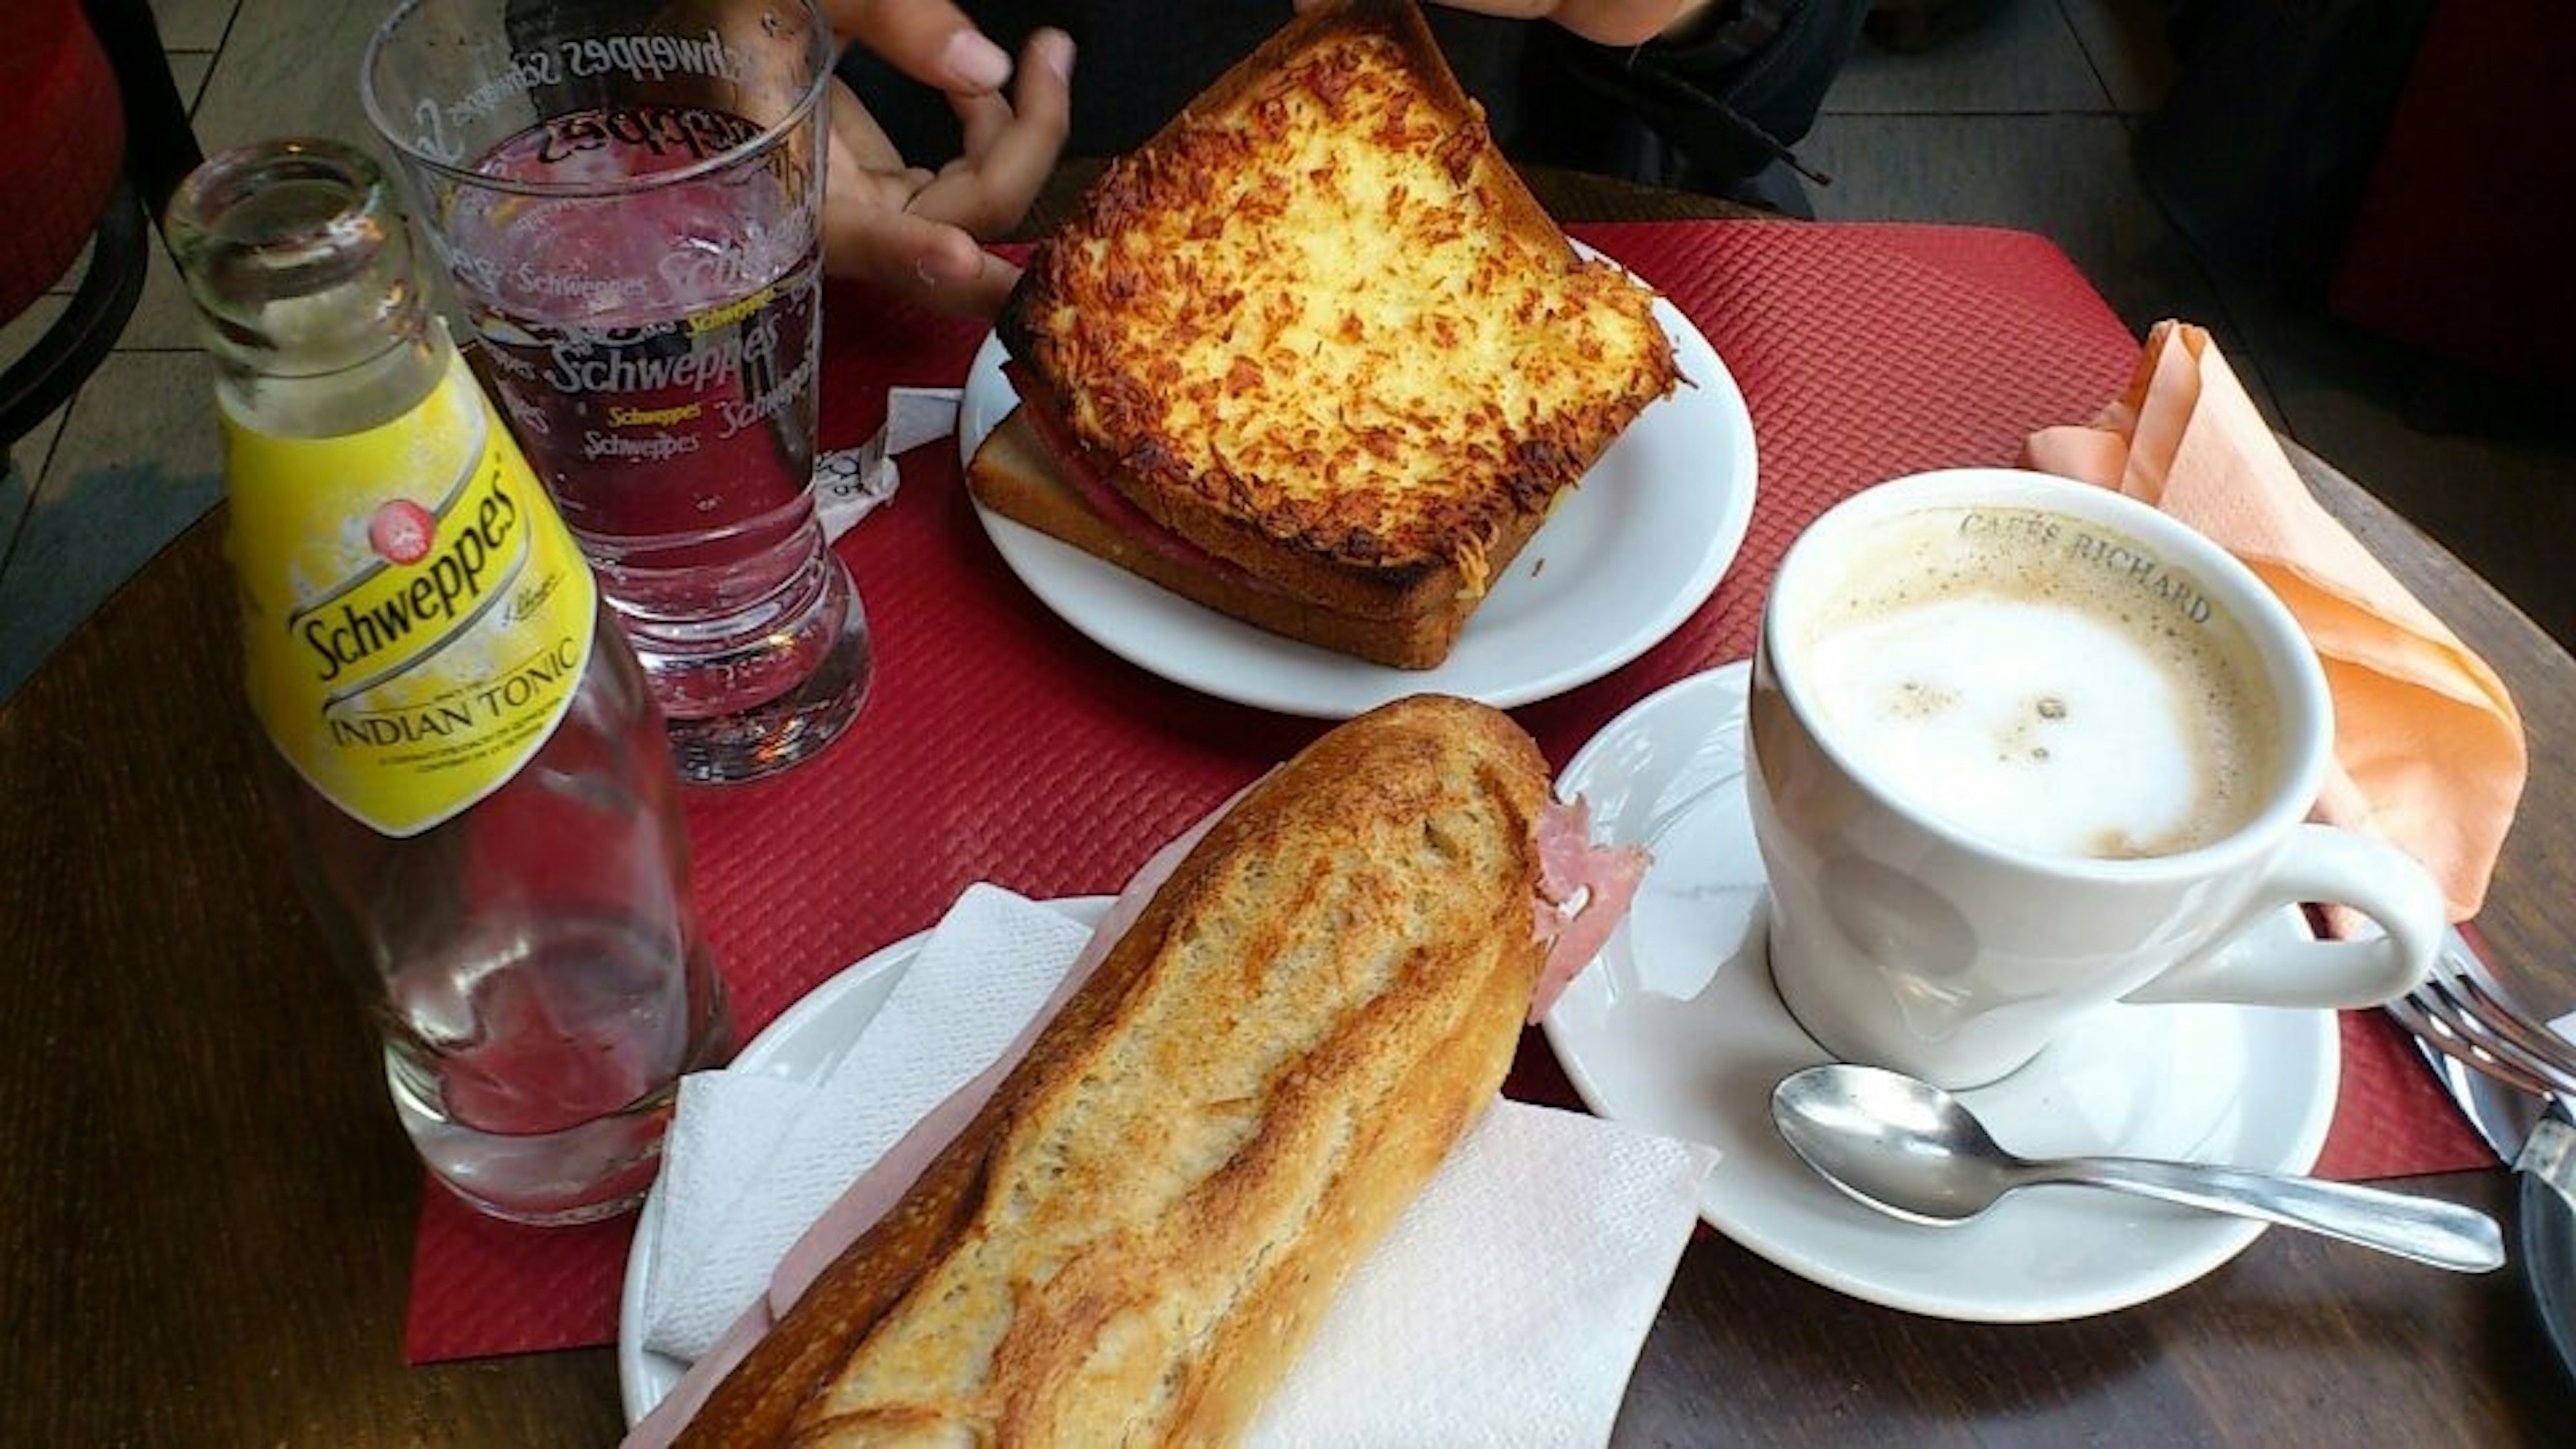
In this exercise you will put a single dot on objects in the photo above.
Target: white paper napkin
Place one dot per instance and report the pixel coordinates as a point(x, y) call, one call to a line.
point(1506, 1307)
point(752, 1159)
point(851, 482)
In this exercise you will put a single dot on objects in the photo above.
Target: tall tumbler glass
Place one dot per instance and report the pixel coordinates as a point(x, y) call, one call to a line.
point(627, 195)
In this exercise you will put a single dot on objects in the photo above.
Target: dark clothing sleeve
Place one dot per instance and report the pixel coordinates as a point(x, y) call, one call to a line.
point(1725, 102)
point(1705, 112)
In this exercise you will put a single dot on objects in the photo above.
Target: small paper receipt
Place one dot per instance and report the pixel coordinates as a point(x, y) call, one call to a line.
point(851, 482)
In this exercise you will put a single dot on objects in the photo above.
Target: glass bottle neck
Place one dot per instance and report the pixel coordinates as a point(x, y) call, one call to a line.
point(363, 395)
point(307, 293)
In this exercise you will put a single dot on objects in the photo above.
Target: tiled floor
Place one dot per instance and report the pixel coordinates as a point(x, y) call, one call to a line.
point(2021, 117)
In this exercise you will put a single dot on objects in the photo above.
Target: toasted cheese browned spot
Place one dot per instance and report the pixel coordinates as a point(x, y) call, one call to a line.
point(1389, 369)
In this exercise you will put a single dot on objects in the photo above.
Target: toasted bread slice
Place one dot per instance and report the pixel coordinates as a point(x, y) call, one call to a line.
point(1131, 1241)
point(1016, 475)
point(1318, 328)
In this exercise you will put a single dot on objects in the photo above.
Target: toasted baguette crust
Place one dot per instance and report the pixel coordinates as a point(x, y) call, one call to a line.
point(1129, 1244)
point(1318, 327)
point(1017, 476)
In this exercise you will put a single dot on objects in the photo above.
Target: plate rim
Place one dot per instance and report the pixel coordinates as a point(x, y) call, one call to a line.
point(2214, 1241)
point(645, 1376)
point(1249, 681)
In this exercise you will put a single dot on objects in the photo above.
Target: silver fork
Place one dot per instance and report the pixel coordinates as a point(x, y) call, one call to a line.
point(2463, 1015)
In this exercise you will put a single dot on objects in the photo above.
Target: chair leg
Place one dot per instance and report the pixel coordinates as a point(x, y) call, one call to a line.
point(54, 368)
point(160, 143)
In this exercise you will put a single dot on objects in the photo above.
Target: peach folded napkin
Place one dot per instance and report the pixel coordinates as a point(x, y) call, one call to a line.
point(2428, 746)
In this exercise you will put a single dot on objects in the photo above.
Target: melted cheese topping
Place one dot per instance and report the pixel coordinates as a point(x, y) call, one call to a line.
point(1319, 311)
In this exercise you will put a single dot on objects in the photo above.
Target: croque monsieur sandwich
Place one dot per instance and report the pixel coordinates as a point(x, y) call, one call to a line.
point(1292, 1019)
point(1313, 356)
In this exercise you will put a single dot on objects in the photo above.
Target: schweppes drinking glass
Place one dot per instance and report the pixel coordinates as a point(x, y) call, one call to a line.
point(627, 197)
point(472, 778)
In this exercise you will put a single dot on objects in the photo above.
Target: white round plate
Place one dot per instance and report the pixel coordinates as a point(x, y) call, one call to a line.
point(1675, 1028)
point(803, 1044)
point(1638, 547)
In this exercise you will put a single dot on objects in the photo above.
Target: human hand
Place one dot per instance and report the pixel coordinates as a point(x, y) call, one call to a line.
point(915, 229)
point(1606, 22)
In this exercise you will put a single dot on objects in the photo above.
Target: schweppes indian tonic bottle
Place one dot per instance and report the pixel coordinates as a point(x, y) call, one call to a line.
point(473, 782)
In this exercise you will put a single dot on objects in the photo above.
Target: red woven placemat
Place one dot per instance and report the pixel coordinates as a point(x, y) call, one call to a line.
point(1000, 745)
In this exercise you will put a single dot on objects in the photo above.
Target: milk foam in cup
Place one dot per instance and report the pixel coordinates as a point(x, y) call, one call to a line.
point(2016, 681)
point(2021, 748)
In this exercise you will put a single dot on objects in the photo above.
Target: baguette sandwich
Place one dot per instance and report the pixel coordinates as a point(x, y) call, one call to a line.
point(1312, 355)
point(1135, 1231)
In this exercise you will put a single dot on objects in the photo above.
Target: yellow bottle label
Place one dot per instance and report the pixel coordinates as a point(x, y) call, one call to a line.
point(416, 618)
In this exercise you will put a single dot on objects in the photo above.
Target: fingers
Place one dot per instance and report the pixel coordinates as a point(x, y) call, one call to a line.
point(866, 232)
point(983, 294)
point(915, 231)
point(1010, 147)
point(928, 260)
point(1042, 96)
point(931, 41)
point(857, 142)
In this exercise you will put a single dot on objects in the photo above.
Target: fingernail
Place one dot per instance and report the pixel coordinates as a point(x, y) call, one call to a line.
point(1055, 52)
point(975, 62)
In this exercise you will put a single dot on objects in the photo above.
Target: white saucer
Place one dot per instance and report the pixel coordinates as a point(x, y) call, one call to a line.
point(1622, 562)
point(802, 1044)
point(1676, 1029)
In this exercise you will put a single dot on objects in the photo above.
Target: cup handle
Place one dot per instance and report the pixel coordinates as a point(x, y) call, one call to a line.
point(2324, 864)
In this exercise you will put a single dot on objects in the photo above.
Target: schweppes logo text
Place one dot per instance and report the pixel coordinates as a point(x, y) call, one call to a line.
point(394, 614)
point(417, 618)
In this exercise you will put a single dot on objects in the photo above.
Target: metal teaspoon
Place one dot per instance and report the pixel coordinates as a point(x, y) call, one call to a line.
point(1912, 1150)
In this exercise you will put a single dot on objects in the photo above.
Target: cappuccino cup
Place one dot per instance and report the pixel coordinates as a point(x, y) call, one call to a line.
point(2021, 749)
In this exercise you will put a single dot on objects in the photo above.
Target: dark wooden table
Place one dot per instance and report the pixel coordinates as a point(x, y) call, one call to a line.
point(206, 1210)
